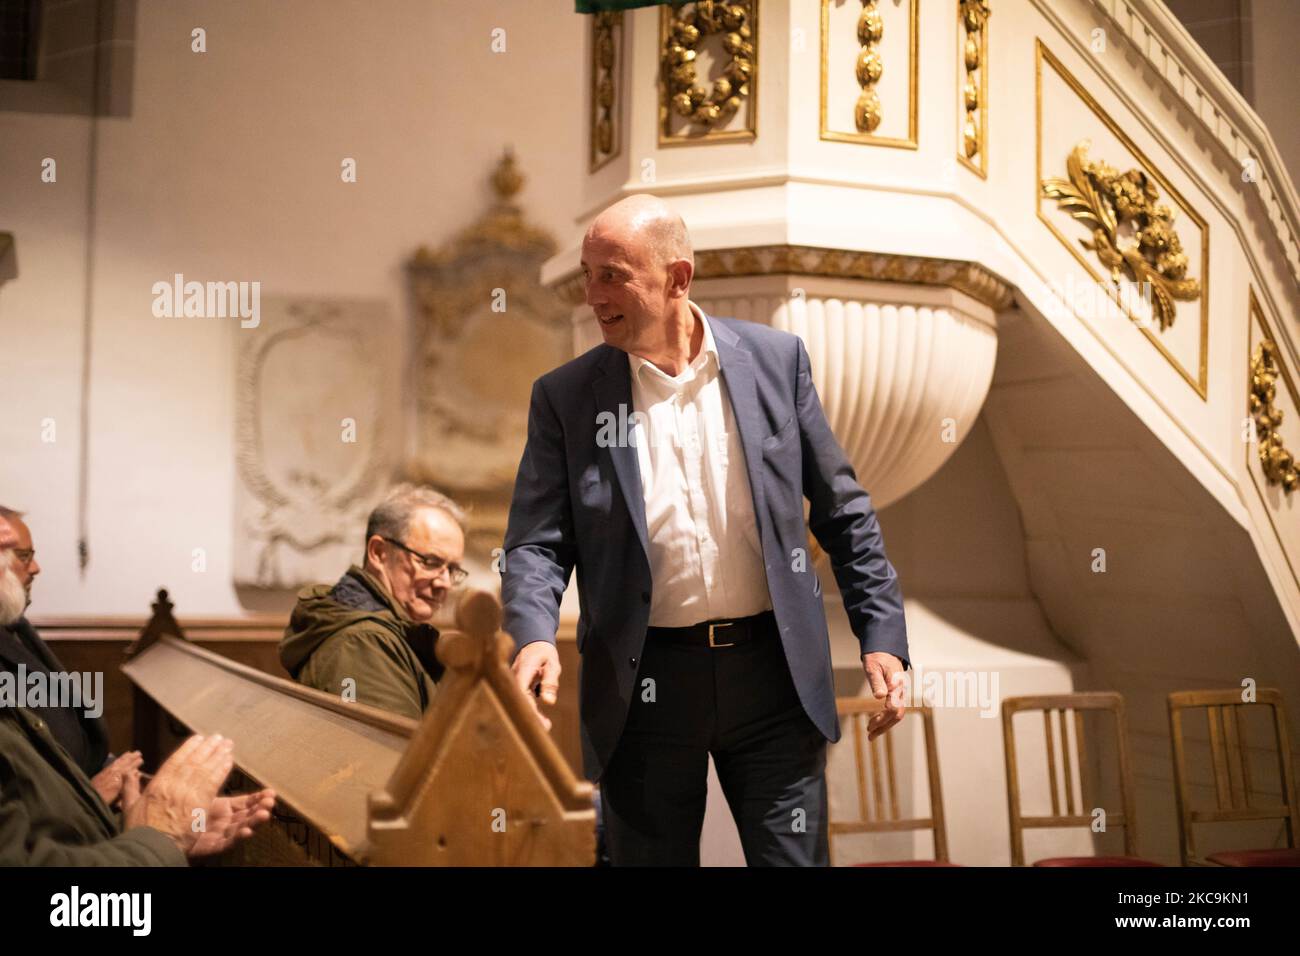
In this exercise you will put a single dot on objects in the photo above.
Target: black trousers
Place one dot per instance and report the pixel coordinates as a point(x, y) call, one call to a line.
point(738, 704)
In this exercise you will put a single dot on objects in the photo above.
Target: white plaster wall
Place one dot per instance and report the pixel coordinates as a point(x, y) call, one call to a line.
point(228, 168)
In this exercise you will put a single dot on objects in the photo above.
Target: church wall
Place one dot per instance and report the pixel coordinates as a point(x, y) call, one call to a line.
point(228, 168)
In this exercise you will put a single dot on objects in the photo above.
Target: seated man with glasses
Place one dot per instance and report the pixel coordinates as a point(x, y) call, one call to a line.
point(367, 638)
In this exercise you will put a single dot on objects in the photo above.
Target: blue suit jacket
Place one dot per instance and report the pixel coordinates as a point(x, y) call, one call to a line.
point(578, 503)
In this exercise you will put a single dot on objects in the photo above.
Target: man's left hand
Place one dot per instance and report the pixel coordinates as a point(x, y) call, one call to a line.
point(885, 674)
point(232, 820)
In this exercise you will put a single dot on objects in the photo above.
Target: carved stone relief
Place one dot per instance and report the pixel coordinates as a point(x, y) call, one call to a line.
point(314, 436)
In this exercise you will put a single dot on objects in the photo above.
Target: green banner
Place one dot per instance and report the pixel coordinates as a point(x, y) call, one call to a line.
point(596, 6)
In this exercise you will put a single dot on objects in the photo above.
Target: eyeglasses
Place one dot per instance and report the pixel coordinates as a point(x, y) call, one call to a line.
point(433, 563)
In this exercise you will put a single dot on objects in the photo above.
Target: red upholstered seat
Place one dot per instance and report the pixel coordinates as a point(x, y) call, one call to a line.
point(1095, 861)
point(1256, 858)
point(910, 863)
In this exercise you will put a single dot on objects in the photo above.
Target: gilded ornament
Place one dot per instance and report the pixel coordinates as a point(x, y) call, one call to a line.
point(1278, 464)
point(709, 108)
point(1132, 232)
point(869, 67)
point(974, 16)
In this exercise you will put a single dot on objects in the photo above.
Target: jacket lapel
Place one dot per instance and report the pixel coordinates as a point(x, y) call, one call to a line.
point(613, 392)
point(737, 364)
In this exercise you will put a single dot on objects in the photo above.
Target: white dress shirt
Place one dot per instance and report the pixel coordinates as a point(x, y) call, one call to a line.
point(706, 561)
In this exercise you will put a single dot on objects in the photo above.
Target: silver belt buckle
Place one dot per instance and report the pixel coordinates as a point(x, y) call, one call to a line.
point(712, 627)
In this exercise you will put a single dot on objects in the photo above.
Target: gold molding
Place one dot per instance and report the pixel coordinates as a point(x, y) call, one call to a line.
point(1199, 382)
point(870, 139)
point(969, 278)
point(972, 130)
point(1256, 314)
point(736, 89)
point(606, 120)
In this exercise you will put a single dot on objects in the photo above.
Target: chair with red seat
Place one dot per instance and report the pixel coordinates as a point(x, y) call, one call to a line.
point(1236, 798)
point(878, 805)
point(1064, 785)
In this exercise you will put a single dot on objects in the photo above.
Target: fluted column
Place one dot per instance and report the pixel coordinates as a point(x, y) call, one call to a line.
point(902, 371)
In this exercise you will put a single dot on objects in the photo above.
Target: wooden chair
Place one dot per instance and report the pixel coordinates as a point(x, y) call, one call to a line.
point(1235, 801)
point(878, 805)
point(1082, 816)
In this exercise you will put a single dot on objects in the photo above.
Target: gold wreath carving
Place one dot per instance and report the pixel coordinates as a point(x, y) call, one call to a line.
point(1132, 233)
point(1278, 464)
point(686, 28)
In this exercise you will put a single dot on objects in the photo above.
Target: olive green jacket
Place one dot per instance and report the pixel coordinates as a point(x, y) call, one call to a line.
point(355, 630)
point(50, 815)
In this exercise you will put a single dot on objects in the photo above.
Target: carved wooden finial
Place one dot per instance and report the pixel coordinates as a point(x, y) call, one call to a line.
point(161, 623)
point(478, 637)
point(481, 740)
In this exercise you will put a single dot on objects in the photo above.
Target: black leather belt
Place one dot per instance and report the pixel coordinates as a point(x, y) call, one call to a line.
point(723, 632)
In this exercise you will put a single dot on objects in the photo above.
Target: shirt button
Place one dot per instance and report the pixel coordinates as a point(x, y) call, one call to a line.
point(632, 661)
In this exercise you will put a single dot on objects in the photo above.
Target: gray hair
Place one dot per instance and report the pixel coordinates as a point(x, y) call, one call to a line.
point(8, 513)
point(392, 516)
point(13, 597)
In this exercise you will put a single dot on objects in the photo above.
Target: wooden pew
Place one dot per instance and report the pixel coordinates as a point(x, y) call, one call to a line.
point(476, 782)
point(97, 643)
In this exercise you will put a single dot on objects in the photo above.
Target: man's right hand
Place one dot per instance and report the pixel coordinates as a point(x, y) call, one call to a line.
point(187, 781)
point(538, 665)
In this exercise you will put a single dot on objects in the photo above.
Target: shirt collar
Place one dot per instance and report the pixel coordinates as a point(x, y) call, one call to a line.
point(707, 348)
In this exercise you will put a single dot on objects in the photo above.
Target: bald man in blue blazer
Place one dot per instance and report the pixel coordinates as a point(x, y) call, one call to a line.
point(669, 467)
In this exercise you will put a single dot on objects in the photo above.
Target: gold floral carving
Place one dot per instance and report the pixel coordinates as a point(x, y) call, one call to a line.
point(974, 17)
point(709, 109)
point(871, 29)
point(1278, 464)
point(1132, 232)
